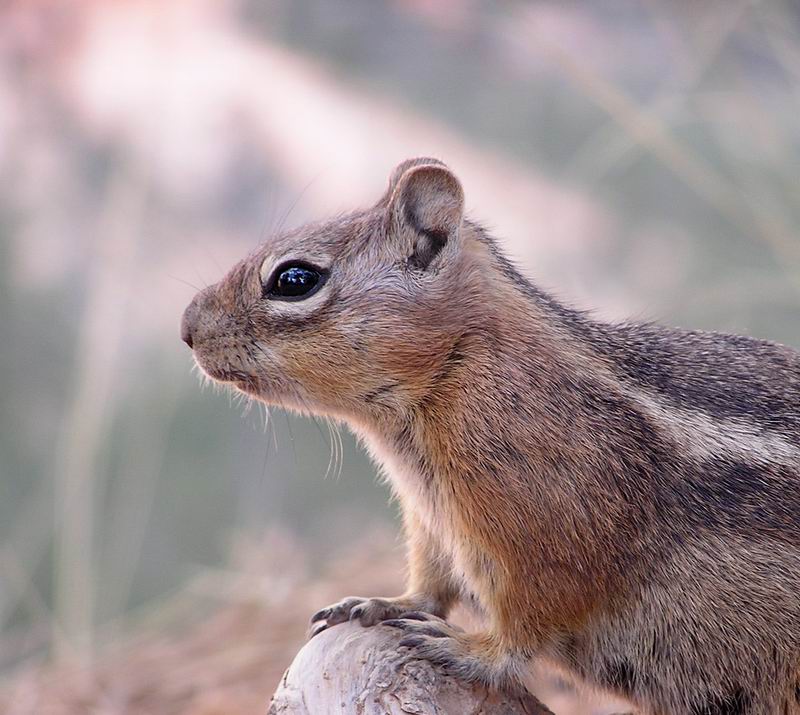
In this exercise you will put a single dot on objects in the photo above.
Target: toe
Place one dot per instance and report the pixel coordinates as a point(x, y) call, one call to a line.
point(415, 616)
point(338, 612)
point(423, 628)
point(411, 641)
point(318, 628)
point(321, 614)
point(437, 650)
point(357, 612)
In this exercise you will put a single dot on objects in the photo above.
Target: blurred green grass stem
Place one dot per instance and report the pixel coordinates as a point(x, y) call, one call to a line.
point(101, 335)
point(740, 209)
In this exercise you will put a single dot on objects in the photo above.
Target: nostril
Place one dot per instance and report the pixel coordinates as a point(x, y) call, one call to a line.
point(186, 336)
point(186, 331)
point(197, 316)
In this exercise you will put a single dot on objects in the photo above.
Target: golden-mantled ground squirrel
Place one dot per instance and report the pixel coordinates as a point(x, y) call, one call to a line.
point(620, 500)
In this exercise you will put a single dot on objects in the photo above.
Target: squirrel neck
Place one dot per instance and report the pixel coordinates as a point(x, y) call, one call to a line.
point(515, 379)
point(528, 414)
point(524, 413)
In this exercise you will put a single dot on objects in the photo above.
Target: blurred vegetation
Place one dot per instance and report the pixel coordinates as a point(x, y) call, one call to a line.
point(677, 120)
point(721, 83)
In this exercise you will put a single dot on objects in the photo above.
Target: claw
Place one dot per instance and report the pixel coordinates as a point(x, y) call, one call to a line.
point(417, 627)
point(411, 641)
point(318, 628)
point(321, 614)
point(338, 612)
point(415, 616)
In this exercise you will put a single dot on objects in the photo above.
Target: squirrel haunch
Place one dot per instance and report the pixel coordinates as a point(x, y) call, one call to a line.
point(620, 500)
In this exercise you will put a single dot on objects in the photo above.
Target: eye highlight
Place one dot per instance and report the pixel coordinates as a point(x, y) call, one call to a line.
point(294, 281)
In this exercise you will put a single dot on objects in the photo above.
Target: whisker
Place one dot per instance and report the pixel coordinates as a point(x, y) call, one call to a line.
point(202, 280)
point(181, 280)
point(330, 443)
point(341, 450)
point(294, 203)
point(270, 212)
point(331, 458)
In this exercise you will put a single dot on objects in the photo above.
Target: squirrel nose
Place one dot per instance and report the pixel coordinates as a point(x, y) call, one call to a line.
point(199, 317)
point(188, 325)
point(186, 333)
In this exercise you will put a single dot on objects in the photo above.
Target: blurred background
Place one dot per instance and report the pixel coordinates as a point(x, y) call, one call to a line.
point(162, 545)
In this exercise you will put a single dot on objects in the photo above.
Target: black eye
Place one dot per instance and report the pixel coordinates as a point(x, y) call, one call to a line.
point(294, 282)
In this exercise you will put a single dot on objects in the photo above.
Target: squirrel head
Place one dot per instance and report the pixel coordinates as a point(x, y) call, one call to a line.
point(357, 315)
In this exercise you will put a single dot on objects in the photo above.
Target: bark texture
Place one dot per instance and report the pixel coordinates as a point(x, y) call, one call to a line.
point(360, 671)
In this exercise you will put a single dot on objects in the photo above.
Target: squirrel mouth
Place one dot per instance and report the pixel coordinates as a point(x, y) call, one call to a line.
point(239, 380)
point(257, 387)
point(230, 377)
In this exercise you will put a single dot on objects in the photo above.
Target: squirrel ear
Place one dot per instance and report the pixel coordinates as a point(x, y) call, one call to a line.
point(402, 168)
point(426, 205)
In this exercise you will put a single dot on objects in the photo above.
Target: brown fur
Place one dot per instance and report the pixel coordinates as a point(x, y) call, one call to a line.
point(621, 501)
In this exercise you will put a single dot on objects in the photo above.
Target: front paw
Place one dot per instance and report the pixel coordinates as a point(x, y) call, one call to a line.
point(431, 638)
point(460, 654)
point(368, 611)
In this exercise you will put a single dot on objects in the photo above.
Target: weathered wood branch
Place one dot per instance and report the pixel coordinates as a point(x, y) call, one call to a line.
point(351, 669)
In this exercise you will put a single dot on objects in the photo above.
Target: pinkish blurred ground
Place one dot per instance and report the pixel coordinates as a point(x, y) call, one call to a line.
point(220, 647)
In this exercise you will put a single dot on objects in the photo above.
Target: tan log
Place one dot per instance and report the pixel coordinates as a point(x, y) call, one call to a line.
point(349, 669)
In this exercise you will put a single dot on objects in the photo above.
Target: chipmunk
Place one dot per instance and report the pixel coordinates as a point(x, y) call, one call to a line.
point(622, 501)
